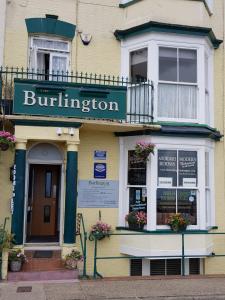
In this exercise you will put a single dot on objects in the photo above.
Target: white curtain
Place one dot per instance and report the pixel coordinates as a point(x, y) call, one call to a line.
point(177, 101)
point(50, 44)
point(139, 103)
point(59, 68)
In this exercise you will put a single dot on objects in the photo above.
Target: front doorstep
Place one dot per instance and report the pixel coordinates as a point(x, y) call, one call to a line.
point(43, 275)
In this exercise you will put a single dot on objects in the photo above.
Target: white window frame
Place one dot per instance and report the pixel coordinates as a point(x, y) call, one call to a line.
point(153, 41)
point(63, 53)
point(201, 146)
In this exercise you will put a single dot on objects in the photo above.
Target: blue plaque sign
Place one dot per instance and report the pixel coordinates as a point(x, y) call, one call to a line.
point(100, 170)
point(100, 155)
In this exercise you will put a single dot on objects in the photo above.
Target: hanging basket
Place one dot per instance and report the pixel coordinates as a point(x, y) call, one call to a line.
point(4, 147)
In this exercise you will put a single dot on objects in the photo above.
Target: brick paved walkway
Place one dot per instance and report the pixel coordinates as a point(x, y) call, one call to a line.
point(125, 289)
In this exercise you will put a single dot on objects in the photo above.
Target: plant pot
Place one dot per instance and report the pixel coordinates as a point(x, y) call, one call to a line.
point(178, 228)
point(15, 266)
point(4, 147)
point(71, 264)
point(135, 226)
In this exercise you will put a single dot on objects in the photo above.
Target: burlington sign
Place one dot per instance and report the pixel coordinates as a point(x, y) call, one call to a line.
point(45, 98)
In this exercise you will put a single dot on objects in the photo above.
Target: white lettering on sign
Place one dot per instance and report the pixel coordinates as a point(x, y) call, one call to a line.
point(30, 99)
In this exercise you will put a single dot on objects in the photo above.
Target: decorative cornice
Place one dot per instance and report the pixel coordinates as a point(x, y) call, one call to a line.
point(50, 26)
point(153, 26)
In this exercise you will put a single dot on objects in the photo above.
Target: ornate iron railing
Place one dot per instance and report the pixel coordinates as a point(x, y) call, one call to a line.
point(139, 94)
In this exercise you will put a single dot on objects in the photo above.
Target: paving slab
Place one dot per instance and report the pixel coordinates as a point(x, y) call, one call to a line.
point(119, 289)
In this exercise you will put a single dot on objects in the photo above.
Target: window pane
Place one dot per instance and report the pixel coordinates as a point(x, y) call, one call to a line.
point(168, 103)
point(177, 101)
point(186, 204)
point(48, 184)
point(136, 170)
point(138, 65)
point(168, 64)
point(187, 101)
point(167, 168)
point(166, 205)
point(187, 65)
point(50, 44)
point(137, 199)
point(188, 164)
point(207, 169)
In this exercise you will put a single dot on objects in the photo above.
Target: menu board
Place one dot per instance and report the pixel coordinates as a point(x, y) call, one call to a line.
point(98, 193)
point(138, 199)
point(187, 165)
point(167, 168)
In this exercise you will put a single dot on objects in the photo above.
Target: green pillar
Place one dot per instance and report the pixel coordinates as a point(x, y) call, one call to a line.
point(19, 194)
point(71, 198)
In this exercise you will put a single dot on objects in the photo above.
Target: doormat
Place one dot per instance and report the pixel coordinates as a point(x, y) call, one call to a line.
point(43, 254)
point(24, 289)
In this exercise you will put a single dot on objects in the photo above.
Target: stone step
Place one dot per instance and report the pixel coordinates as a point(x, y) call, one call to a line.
point(43, 264)
point(43, 275)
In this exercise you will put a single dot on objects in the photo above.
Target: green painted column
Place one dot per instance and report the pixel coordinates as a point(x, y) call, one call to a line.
point(71, 198)
point(19, 195)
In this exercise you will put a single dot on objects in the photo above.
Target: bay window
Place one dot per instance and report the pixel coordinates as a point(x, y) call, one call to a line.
point(178, 178)
point(181, 69)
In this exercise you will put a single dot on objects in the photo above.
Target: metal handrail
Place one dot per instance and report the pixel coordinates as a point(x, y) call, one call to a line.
point(1, 242)
point(182, 256)
point(83, 242)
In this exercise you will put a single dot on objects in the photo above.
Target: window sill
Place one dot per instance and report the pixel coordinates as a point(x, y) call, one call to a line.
point(167, 231)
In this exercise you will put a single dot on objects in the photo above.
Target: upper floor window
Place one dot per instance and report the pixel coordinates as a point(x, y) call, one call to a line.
point(181, 69)
point(138, 65)
point(49, 57)
point(177, 94)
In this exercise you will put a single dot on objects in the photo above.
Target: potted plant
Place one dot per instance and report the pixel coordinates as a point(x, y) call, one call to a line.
point(136, 219)
point(143, 149)
point(6, 140)
point(100, 230)
point(72, 259)
point(16, 260)
point(6, 239)
point(178, 222)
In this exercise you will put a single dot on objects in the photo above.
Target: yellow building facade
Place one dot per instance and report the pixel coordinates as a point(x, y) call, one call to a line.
point(82, 83)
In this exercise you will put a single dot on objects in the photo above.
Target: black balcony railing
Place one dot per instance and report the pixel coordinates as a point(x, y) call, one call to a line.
point(139, 95)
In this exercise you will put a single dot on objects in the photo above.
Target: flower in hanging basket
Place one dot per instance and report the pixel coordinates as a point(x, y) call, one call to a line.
point(100, 230)
point(6, 140)
point(72, 259)
point(178, 222)
point(136, 219)
point(143, 149)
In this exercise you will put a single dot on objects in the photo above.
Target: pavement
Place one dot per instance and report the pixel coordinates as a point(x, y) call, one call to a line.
point(197, 288)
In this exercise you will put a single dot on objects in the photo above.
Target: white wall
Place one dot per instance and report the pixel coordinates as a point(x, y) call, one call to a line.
point(2, 28)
